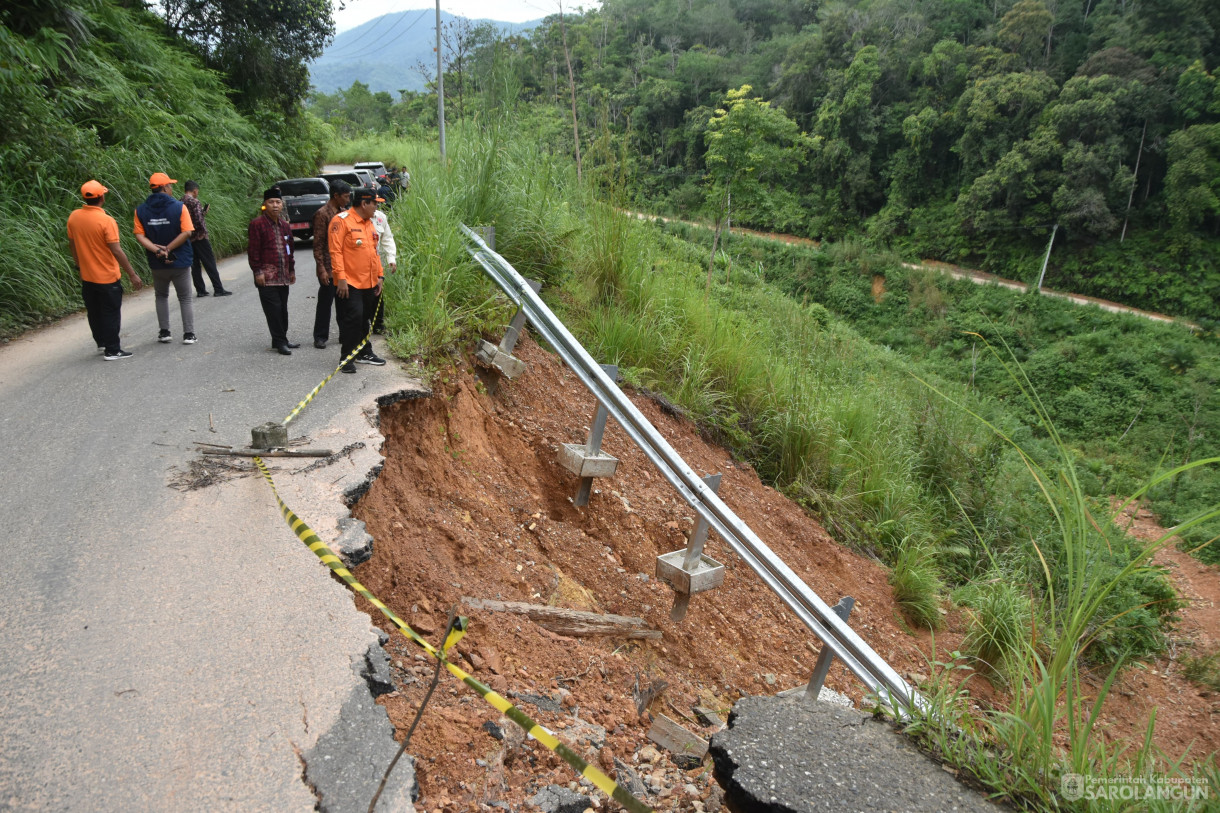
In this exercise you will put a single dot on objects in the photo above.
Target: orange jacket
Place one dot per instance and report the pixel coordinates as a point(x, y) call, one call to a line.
point(353, 250)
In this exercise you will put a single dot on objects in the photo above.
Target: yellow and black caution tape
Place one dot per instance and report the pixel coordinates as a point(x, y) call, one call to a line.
point(350, 356)
point(328, 557)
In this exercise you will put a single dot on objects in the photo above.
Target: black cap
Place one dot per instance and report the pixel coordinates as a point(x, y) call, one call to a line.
point(361, 195)
point(273, 192)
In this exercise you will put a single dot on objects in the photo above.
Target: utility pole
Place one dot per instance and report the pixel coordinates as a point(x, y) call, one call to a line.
point(440, 82)
point(1047, 258)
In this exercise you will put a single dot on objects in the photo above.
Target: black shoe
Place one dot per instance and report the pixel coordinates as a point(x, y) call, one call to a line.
point(282, 350)
point(116, 355)
point(348, 368)
point(373, 359)
point(189, 338)
point(202, 293)
point(291, 345)
point(164, 337)
point(224, 293)
point(320, 344)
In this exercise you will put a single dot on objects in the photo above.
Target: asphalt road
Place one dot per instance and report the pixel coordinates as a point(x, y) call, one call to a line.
point(169, 650)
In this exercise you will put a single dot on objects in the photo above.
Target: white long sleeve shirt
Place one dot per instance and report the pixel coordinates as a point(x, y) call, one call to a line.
point(385, 240)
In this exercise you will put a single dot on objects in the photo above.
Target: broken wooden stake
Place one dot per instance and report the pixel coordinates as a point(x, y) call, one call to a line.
point(268, 453)
point(569, 622)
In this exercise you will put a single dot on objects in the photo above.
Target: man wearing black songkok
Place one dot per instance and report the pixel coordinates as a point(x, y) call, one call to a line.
point(274, 267)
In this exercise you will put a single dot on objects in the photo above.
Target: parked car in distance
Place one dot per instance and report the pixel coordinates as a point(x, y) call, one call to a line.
point(355, 179)
point(375, 167)
point(303, 197)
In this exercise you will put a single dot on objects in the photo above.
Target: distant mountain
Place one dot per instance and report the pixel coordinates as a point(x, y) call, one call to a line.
point(383, 53)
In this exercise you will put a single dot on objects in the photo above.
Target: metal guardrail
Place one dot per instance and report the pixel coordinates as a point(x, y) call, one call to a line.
point(841, 640)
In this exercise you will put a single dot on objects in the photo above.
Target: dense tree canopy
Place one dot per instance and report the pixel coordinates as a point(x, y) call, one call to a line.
point(261, 47)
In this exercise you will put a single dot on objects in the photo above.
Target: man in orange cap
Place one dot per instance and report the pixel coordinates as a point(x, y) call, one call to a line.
point(163, 226)
point(93, 237)
point(352, 240)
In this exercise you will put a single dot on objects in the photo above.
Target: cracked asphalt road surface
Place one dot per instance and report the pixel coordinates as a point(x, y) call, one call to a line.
point(171, 650)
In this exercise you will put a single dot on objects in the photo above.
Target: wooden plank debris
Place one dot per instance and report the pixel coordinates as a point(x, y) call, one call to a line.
point(708, 717)
point(676, 739)
point(574, 623)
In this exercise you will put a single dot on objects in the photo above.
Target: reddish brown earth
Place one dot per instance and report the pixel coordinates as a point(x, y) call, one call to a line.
point(1187, 714)
point(472, 502)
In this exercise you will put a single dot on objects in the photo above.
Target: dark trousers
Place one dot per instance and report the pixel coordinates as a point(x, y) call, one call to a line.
point(103, 301)
point(321, 318)
point(204, 260)
point(274, 299)
point(355, 315)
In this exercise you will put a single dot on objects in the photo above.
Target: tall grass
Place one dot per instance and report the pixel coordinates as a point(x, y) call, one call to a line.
point(1054, 700)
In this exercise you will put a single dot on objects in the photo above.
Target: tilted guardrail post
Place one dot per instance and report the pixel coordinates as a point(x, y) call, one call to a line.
point(589, 461)
point(689, 571)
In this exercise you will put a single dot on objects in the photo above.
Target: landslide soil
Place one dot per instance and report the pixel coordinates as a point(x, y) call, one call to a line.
point(472, 502)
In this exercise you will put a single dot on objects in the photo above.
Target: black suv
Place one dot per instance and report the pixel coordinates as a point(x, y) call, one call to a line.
point(303, 197)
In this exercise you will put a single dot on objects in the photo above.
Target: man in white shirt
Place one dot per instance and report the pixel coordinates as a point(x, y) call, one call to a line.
point(389, 258)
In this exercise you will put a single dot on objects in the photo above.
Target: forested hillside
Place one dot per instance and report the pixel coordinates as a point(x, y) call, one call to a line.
point(961, 130)
point(107, 90)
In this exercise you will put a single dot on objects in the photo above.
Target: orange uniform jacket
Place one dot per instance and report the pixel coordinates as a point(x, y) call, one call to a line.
point(353, 250)
point(91, 231)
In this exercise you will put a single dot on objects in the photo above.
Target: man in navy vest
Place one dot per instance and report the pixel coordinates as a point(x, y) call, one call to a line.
point(163, 226)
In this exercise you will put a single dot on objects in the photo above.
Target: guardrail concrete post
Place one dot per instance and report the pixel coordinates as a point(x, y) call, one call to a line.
point(587, 461)
point(688, 571)
point(502, 357)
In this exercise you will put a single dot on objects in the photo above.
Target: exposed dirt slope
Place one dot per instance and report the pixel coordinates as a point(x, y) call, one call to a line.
point(472, 502)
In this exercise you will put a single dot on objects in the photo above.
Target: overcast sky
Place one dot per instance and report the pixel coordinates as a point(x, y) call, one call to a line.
point(509, 11)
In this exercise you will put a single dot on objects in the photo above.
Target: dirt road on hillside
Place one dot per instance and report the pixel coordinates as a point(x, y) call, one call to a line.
point(955, 271)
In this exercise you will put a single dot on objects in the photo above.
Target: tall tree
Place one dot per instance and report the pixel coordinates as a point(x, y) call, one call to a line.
point(261, 47)
point(753, 153)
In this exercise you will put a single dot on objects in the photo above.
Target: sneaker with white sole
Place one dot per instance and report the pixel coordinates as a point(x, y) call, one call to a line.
point(116, 355)
point(189, 338)
point(164, 337)
point(375, 360)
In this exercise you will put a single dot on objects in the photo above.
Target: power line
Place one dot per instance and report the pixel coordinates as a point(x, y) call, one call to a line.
point(351, 47)
point(351, 43)
point(405, 30)
point(346, 53)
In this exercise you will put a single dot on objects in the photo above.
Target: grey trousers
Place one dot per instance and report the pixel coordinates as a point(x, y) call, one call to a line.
point(181, 279)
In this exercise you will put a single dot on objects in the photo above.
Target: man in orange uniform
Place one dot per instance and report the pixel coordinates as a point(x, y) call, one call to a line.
point(93, 237)
point(357, 272)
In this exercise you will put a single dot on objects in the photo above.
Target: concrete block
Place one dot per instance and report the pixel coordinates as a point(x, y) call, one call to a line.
point(575, 458)
point(509, 366)
point(706, 575)
point(271, 435)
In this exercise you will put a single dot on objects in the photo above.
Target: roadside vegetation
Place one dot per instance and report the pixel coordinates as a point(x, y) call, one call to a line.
point(970, 498)
point(79, 99)
point(1131, 396)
